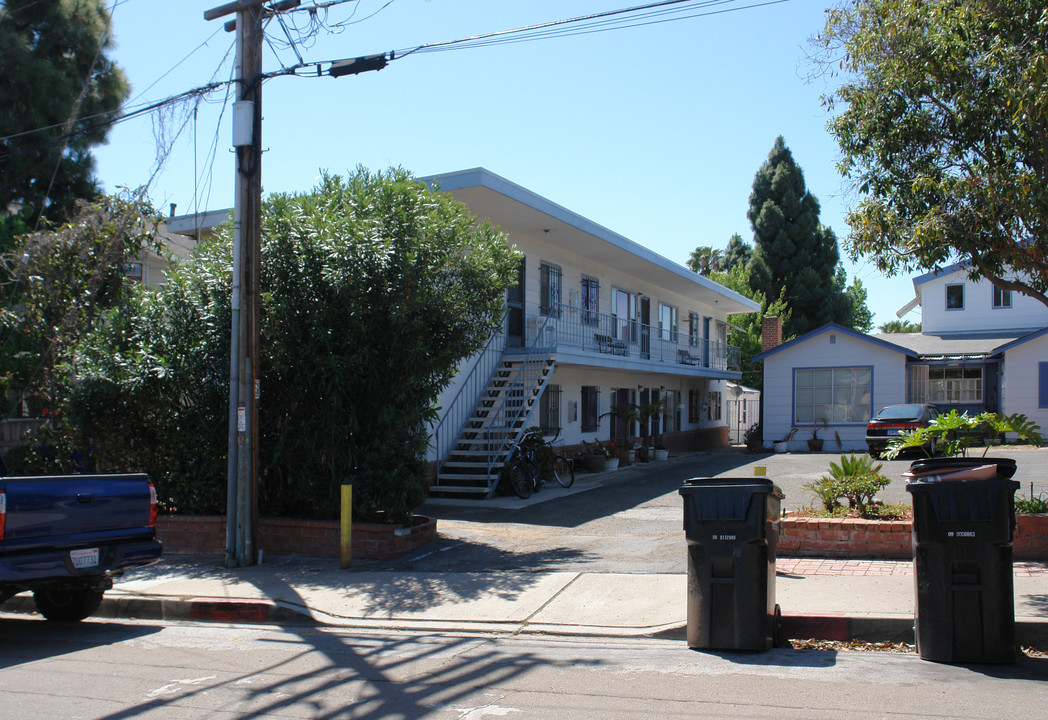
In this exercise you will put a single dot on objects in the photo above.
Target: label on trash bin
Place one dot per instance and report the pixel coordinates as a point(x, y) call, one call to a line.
point(723, 537)
point(961, 533)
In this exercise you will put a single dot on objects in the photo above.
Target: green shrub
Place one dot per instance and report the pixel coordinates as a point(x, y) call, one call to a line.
point(1031, 505)
point(855, 479)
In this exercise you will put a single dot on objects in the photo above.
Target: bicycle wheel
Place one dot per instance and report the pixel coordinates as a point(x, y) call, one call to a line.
point(520, 479)
point(563, 471)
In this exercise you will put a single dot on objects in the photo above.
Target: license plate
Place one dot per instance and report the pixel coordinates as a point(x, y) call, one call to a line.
point(84, 558)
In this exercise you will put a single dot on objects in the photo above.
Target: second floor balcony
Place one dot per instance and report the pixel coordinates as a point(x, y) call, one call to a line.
point(610, 340)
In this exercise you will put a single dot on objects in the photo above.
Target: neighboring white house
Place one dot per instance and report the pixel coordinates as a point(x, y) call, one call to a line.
point(980, 349)
point(597, 321)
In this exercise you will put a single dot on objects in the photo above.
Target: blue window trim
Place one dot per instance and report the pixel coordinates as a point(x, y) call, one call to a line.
point(993, 298)
point(1042, 385)
point(793, 389)
point(946, 299)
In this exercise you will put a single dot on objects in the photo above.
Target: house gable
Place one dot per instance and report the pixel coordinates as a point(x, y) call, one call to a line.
point(857, 375)
point(952, 302)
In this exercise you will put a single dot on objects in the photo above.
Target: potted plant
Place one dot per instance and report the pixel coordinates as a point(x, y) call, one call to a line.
point(594, 456)
point(784, 444)
point(613, 456)
point(661, 451)
point(645, 412)
point(815, 442)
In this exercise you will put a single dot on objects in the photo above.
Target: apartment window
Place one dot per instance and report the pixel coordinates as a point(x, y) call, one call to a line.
point(713, 405)
point(589, 300)
point(133, 272)
point(549, 289)
point(694, 406)
point(549, 410)
point(671, 411)
point(836, 395)
point(590, 408)
point(955, 385)
point(667, 322)
point(693, 329)
point(955, 297)
point(1002, 298)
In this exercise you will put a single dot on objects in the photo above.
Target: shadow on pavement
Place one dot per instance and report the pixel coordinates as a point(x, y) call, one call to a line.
point(27, 640)
point(778, 657)
point(617, 491)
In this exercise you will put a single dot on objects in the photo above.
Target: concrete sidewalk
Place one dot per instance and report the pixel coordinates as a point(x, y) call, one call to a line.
point(825, 599)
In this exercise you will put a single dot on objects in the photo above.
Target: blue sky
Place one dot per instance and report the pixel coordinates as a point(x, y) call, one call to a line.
point(655, 131)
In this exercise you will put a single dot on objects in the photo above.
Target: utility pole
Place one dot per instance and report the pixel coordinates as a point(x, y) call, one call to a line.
point(244, 390)
point(242, 467)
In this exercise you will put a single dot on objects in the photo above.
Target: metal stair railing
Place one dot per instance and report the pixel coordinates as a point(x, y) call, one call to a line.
point(462, 406)
point(508, 422)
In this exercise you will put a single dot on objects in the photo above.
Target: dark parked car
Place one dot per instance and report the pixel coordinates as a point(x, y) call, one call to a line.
point(897, 420)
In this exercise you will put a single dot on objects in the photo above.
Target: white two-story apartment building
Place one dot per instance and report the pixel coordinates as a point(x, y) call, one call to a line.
point(980, 349)
point(596, 321)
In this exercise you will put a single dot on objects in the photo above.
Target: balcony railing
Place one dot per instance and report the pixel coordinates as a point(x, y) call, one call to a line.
point(611, 335)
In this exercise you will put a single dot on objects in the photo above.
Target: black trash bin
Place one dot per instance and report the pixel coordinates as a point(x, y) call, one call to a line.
point(732, 526)
point(962, 552)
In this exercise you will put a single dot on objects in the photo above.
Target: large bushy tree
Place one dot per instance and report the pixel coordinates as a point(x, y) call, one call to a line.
point(746, 327)
point(373, 290)
point(793, 253)
point(942, 124)
point(57, 286)
point(59, 91)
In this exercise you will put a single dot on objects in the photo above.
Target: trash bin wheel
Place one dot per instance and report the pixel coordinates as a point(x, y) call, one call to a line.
point(778, 639)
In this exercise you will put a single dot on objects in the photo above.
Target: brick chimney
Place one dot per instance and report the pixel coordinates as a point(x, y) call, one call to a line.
point(771, 333)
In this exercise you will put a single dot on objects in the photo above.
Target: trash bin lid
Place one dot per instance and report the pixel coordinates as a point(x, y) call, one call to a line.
point(745, 484)
point(1005, 466)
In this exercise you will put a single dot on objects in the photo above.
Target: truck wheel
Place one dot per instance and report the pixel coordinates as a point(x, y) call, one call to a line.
point(67, 604)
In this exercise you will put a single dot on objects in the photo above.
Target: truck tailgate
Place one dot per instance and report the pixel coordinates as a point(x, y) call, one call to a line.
point(76, 508)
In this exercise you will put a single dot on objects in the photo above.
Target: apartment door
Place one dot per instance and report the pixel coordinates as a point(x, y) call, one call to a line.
point(706, 342)
point(645, 327)
point(515, 305)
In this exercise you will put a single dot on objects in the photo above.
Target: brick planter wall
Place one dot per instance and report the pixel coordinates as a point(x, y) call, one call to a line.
point(889, 539)
point(206, 535)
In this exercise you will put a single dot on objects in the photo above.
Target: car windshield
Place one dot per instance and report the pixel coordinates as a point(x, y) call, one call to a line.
point(900, 412)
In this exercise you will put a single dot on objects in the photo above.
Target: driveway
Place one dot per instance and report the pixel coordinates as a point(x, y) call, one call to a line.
point(630, 520)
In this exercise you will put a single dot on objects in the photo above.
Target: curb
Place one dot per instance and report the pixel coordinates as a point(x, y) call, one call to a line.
point(814, 626)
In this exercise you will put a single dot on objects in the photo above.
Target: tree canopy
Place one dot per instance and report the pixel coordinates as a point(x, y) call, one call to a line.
point(373, 289)
point(942, 125)
point(59, 91)
point(794, 254)
point(704, 260)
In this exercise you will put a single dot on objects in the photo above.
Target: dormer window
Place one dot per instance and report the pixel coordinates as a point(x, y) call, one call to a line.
point(955, 297)
point(1001, 298)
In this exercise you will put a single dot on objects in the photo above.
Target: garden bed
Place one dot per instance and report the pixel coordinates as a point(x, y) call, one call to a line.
point(206, 535)
point(809, 536)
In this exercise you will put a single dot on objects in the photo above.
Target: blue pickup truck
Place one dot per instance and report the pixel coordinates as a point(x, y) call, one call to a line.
point(66, 537)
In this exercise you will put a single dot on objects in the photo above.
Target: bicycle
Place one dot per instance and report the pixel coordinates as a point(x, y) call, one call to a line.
point(524, 476)
point(563, 468)
point(564, 471)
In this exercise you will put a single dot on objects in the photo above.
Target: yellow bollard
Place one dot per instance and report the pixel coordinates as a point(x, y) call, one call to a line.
point(760, 470)
point(347, 526)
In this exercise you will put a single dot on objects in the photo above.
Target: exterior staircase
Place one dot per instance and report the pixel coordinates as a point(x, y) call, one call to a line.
point(488, 437)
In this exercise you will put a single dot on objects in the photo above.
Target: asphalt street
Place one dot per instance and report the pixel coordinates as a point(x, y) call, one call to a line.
point(112, 670)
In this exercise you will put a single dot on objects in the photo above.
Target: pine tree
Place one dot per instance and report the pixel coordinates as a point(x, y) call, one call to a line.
point(738, 252)
point(59, 90)
point(792, 250)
